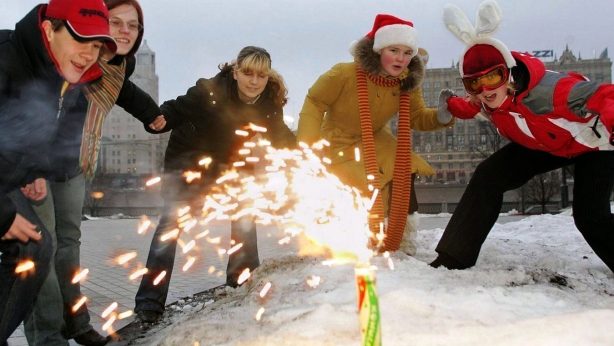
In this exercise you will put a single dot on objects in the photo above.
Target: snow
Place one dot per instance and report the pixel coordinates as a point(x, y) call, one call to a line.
point(536, 282)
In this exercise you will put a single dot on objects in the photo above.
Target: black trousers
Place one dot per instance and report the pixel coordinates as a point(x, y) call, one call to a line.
point(511, 167)
point(161, 255)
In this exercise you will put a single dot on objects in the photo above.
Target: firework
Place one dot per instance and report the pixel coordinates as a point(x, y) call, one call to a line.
point(368, 306)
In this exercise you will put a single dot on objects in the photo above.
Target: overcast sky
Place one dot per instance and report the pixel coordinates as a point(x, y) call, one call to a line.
point(305, 38)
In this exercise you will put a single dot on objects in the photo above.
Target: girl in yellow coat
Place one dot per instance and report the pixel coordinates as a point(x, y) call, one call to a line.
point(350, 106)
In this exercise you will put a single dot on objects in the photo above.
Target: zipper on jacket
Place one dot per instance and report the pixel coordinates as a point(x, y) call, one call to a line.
point(60, 102)
point(65, 86)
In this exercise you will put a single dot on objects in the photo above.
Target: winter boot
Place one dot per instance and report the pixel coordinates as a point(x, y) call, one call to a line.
point(409, 242)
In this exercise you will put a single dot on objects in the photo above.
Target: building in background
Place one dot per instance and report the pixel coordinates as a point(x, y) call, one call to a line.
point(127, 149)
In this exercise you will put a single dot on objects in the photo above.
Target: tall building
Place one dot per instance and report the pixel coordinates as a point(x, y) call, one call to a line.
point(127, 148)
point(455, 152)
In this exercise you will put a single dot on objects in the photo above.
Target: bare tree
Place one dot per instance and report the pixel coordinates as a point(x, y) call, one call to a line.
point(542, 188)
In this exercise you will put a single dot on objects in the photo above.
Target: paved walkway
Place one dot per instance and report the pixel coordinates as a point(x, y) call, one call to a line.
point(108, 282)
point(103, 240)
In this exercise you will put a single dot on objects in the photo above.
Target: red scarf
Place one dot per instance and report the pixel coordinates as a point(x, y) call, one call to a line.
point(399, 206)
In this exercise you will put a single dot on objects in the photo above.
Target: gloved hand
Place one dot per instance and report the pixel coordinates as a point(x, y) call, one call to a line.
point(461, 108)
point(443, 114)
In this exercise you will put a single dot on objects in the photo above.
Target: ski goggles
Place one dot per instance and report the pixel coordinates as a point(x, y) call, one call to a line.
point(486, 80)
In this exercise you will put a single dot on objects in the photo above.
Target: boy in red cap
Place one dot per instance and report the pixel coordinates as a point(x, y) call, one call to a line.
point(552, 120)
point(52, 51)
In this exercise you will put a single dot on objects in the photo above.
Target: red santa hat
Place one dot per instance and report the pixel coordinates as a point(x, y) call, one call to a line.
point(389, 30)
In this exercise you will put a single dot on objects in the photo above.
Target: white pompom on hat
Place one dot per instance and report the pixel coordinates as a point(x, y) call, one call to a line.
point(389, 30)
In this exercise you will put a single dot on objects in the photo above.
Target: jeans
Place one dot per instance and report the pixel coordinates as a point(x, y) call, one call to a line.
point(510, 168)
point(18, 293)
point(162, 257)
point(45, 324)
point(48, 321)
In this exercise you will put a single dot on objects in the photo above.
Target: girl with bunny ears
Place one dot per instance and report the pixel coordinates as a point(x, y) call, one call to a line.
point(552, 120)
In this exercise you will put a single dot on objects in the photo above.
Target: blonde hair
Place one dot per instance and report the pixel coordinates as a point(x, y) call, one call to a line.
point(253, 59)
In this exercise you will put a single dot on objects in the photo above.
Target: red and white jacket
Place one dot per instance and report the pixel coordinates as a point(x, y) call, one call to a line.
point(564, 114)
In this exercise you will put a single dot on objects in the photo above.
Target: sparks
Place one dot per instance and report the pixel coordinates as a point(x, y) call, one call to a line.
point(234, 249)
point(191, 176)
point(173, 234)
point(125, 258)
point(159, 278)
point(125, 314)
point(245, 274)
point(182, 211)
point(189, 246)
point(138, 273)
point(153, 181)
point(144, 225)
point(257, 128)
point(313, 281)
point(202, 234)
point(189, 263)
point(241, 133)
point(259, 313)
point(265, 289)
point(79, 303)
point(107, 325)
point(284, 240)
point(110, 309)
point(205, 161)
point(24, 266)
point(357, 154)
point(80, 276)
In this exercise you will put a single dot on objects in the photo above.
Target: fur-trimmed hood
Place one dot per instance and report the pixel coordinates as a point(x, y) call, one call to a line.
point(370, 61)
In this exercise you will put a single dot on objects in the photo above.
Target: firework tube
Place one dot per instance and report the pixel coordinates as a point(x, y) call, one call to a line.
point(368, 306)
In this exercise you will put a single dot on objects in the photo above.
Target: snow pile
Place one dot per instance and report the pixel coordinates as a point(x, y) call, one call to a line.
point(536, 283)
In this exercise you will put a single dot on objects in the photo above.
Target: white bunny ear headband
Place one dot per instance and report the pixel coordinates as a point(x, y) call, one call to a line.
point(486, 23)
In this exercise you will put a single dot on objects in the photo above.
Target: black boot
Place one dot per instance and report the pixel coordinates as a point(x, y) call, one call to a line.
point(444, 260)
point(148, 316)
point(92, 338)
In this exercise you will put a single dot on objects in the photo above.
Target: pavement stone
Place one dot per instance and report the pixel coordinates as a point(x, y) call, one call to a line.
point(107, 282)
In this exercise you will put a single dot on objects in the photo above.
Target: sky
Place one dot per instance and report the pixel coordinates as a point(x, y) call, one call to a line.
point(305, 38)
point(536, 282)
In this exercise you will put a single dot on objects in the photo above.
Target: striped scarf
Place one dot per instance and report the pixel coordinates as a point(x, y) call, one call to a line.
point(402, 165)
point(101, 97)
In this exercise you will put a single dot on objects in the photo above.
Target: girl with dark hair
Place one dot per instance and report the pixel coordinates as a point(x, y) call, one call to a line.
point(73, 160)
point(203, 123)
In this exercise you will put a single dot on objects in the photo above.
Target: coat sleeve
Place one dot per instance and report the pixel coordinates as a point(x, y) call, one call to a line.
point(136, 101)
point(189, 107)
point(422, 117)
point(7, 213)
point(602, 103)
point(322, 94)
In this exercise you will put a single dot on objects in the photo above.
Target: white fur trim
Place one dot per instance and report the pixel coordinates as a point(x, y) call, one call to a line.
point(500, 46)
point(396, 34)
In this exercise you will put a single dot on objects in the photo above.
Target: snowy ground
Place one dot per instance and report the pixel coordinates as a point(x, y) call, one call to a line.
point(536, 283)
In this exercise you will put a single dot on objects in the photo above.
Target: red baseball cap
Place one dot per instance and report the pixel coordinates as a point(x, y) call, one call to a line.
point(85, 19)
